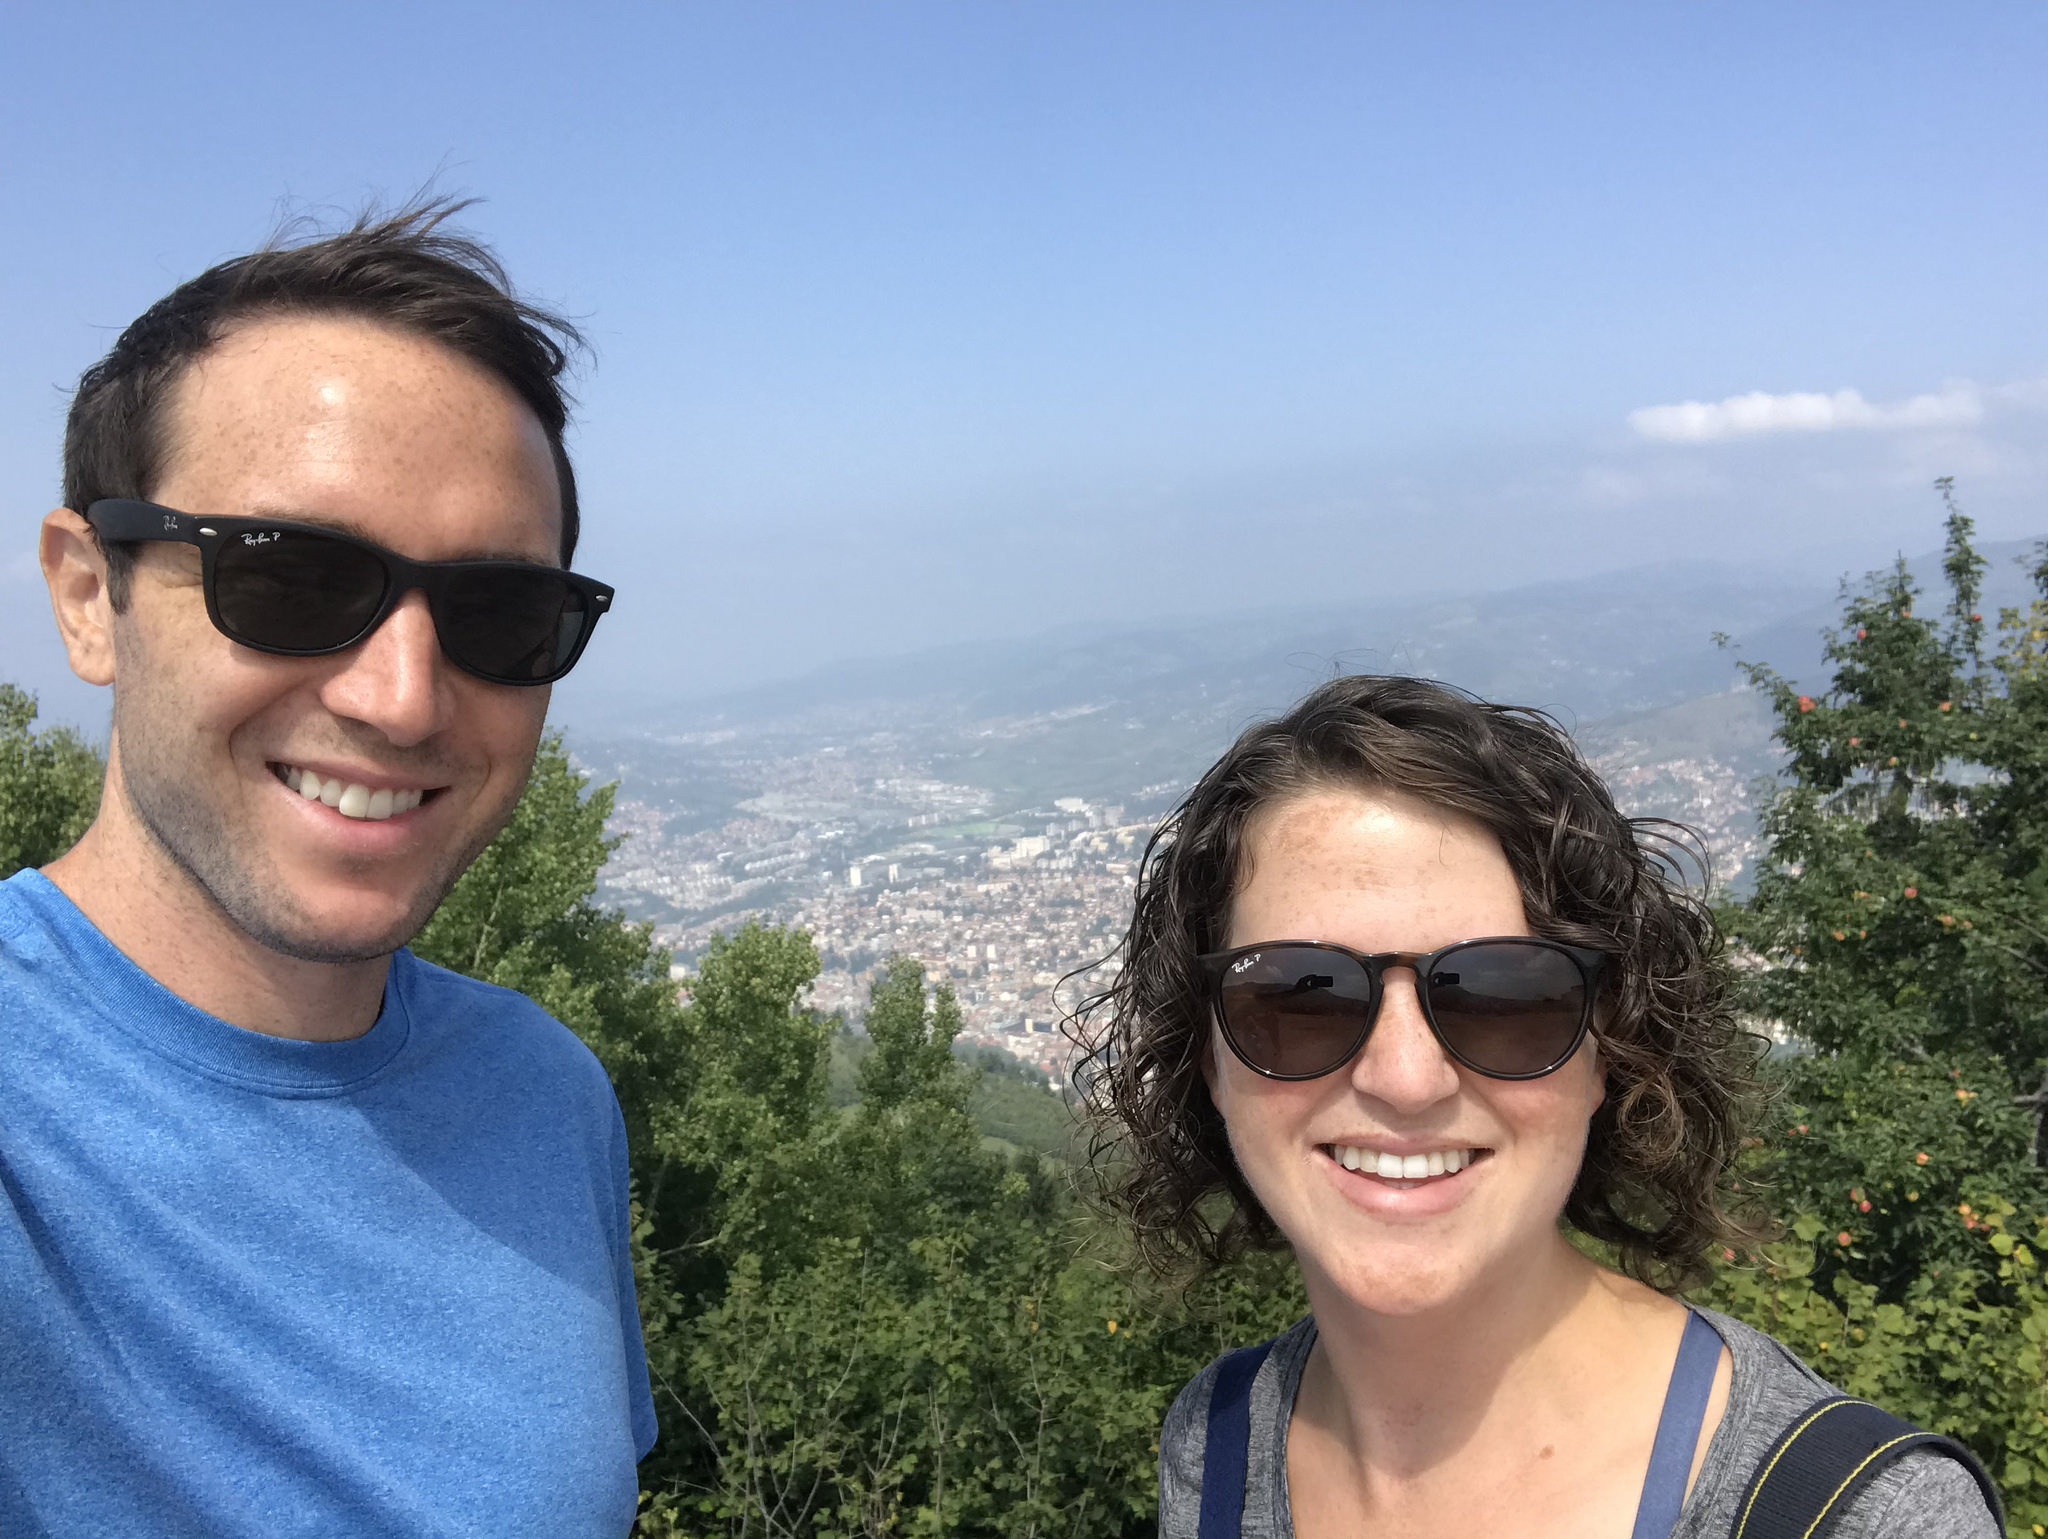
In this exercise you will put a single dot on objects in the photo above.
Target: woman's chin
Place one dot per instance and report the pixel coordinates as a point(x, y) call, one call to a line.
point(1412, 1281)
point(1397, 1292)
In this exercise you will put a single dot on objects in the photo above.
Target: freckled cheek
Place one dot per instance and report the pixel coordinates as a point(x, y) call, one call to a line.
point(1264, 1118)
point(180, 656)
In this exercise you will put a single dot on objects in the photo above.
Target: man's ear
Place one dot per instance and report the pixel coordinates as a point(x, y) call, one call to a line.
point(76, 572)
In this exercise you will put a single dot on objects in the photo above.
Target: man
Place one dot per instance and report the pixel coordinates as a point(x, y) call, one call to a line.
point(299, 1234)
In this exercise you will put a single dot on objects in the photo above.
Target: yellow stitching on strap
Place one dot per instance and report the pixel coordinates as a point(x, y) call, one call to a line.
point(1742, 1526)
point(1877, 1452)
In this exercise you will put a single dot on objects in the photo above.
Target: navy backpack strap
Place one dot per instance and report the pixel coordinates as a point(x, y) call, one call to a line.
point(1678, 1429)
point(1836, 1448)
point(1226, 1453)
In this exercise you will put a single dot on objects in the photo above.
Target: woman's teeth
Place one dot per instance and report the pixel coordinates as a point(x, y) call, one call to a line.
point(349, 799)
point(1402, 1167)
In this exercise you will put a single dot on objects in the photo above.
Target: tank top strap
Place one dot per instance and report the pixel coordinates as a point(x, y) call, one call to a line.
point(1678, 1429)
point(1226, 1453)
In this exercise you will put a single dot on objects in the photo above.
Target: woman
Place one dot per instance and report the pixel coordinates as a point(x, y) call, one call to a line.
point(1406, 993)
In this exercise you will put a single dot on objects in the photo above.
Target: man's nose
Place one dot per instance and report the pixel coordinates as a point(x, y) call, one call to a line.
point(1402, 1062)
point(396, 679)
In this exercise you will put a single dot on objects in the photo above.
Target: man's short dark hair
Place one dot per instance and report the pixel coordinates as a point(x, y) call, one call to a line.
point(402, 270)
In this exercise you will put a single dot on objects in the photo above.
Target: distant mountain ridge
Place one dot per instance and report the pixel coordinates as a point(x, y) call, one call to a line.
point(1621, 644)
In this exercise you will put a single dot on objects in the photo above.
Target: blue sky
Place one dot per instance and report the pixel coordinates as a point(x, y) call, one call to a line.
point(921, 322)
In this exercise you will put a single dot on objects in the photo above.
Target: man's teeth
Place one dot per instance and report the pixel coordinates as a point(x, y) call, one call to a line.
point(1402, 1167)
point(351, 800)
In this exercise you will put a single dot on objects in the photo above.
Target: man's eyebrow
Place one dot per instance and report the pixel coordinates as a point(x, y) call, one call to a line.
point(284, 515)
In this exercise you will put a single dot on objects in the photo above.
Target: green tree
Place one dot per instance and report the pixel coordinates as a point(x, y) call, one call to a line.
point(913, 1334)
point(1901, 920)
point(1899, 931)
point(49, 785)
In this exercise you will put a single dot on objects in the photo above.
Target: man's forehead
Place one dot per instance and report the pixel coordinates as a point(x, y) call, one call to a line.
point(295, 366)
point(350, 424)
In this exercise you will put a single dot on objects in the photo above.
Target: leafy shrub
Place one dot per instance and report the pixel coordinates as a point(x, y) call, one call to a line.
point(49, 785)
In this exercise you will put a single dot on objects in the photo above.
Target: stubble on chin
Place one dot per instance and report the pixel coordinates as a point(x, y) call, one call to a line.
point(196, 833)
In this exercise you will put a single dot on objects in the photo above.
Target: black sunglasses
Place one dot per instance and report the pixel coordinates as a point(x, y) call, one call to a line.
point(1508, 1007)
point(301, 591)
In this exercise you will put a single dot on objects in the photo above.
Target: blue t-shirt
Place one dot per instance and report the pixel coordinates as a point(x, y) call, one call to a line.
point(253, 1286)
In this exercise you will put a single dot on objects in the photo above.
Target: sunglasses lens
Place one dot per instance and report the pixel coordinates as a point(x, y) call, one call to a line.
point(1295, 1011)
point(1506, 1008)
point(294, 591)
point(519, 625)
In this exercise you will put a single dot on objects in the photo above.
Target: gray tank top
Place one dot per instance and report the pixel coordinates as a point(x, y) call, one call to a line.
point(1921, 1497)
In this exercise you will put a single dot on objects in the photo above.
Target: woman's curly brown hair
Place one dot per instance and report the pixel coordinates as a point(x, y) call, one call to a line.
point(1655, 1184)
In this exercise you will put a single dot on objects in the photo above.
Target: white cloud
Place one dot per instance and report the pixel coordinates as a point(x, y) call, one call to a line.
point(1699, 422)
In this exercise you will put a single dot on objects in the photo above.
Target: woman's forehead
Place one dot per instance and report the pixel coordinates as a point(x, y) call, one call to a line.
point(1374, 832)
point(1338, 860)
